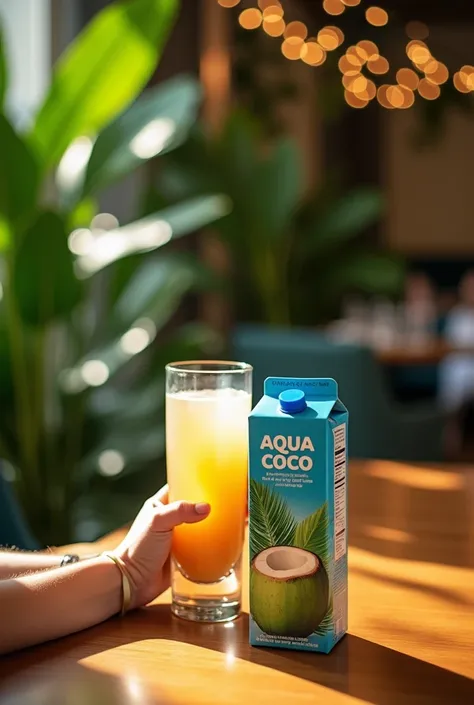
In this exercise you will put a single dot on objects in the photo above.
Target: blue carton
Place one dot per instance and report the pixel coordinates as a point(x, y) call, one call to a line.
point(298, 515)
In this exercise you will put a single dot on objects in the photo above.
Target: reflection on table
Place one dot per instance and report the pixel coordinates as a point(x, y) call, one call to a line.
point(411, 624)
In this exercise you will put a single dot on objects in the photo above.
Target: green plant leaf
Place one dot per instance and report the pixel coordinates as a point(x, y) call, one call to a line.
point(101, 72)
point(124, 406)
point(82, 214)
point(192, 169)
point(344, 219)
point(312, 534)
point(153, 232)
point(369, 272)
point(120, 406)
point(155, 290)
point(149, 301)
point(3, 70)
point(265, 189)
point(152, 200)
point(271, 521)
point(158, 122)
point(193, 341)
point(18, 175)
point(279, 187)
point(238, 146)
point(135, 446)
point(43, 277)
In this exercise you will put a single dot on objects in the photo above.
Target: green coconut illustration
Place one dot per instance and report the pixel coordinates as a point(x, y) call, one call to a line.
point(290, 591)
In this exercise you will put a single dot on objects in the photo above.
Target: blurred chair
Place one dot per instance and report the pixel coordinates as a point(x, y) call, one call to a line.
point(378, 426)
point(13, 528)
point(415, 383)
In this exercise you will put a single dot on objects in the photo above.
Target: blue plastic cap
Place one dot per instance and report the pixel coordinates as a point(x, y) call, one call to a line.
point(292, 401)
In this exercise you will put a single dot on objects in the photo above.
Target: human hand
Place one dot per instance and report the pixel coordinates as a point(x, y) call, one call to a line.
point(146, 548)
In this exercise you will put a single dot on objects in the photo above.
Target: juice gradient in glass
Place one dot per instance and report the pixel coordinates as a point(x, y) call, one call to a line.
point(207, 412)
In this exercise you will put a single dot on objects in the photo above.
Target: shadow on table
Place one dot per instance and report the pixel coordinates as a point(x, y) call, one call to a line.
point(441, 593)
point(413, 511)
point(79, 685)
point(357, 667)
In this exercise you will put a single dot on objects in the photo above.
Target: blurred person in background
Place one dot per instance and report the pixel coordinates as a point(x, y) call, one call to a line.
point(457, 370)
point(420, 308)
point(43, 596)
point(456, 373)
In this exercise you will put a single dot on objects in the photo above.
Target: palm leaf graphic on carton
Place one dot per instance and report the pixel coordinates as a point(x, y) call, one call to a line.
point(312, 533)
point(272, 523)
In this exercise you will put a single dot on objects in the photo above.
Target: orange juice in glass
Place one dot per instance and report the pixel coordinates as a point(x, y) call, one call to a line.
point(207, 408)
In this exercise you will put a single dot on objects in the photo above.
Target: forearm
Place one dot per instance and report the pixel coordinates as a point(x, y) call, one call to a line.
point(14, 563)
point(44, 606)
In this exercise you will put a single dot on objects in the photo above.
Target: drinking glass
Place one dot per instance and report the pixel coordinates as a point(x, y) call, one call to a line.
point(207, 408)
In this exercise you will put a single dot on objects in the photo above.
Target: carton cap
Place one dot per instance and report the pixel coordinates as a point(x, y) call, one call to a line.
point(292, 401)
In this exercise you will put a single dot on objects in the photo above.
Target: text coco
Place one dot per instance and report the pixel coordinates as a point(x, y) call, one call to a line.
point(286, 445)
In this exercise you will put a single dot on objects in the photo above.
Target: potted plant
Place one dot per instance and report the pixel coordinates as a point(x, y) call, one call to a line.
point(292, 255)
point(84, 299)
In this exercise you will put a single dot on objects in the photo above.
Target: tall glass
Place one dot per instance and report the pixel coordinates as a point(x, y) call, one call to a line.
point(207, 406)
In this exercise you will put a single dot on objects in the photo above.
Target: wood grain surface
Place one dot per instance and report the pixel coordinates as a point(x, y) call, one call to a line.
point(411, 621)
point(425, 354)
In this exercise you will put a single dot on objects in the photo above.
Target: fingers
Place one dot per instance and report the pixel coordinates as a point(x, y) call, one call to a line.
point(176, 513)
point(161, 497)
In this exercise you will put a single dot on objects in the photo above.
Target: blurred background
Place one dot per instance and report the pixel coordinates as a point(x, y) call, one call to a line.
point(287, 183)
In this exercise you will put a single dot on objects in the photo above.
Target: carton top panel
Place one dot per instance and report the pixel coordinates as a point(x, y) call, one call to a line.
point(320, 394)
point(314, 388)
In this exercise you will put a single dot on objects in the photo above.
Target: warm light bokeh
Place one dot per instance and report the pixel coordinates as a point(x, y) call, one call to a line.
point(251, 18)
point(330, 38)
point(354, 101)
point(382, 96)
point(376, 16)
point(291, 49)
point(369, 92)
point(273, 13)
point(408, 78)
point(417, 30)
point(313, 54)
point(313, 51)
point(378, 66)
point(296, 29)
point(228, 3)
point(428, 90)
point(274, 29)
point(334, 7)
point(346, 67)
point(354, 56)
point(367, 50)
point(440, 74)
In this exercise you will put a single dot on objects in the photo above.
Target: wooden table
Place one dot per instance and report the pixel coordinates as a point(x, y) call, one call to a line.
point(411, 624)
point(427, 354)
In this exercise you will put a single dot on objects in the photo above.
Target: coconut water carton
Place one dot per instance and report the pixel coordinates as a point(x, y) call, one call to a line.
point(298, 515)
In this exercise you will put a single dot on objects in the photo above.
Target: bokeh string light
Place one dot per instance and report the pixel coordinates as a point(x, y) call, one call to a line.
point(417, 30)
point(312, 53)
point(330, 38)
point(425, 77)
point(334, 7)
point(408, 78)
point(376, 16)
point(428, 90)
